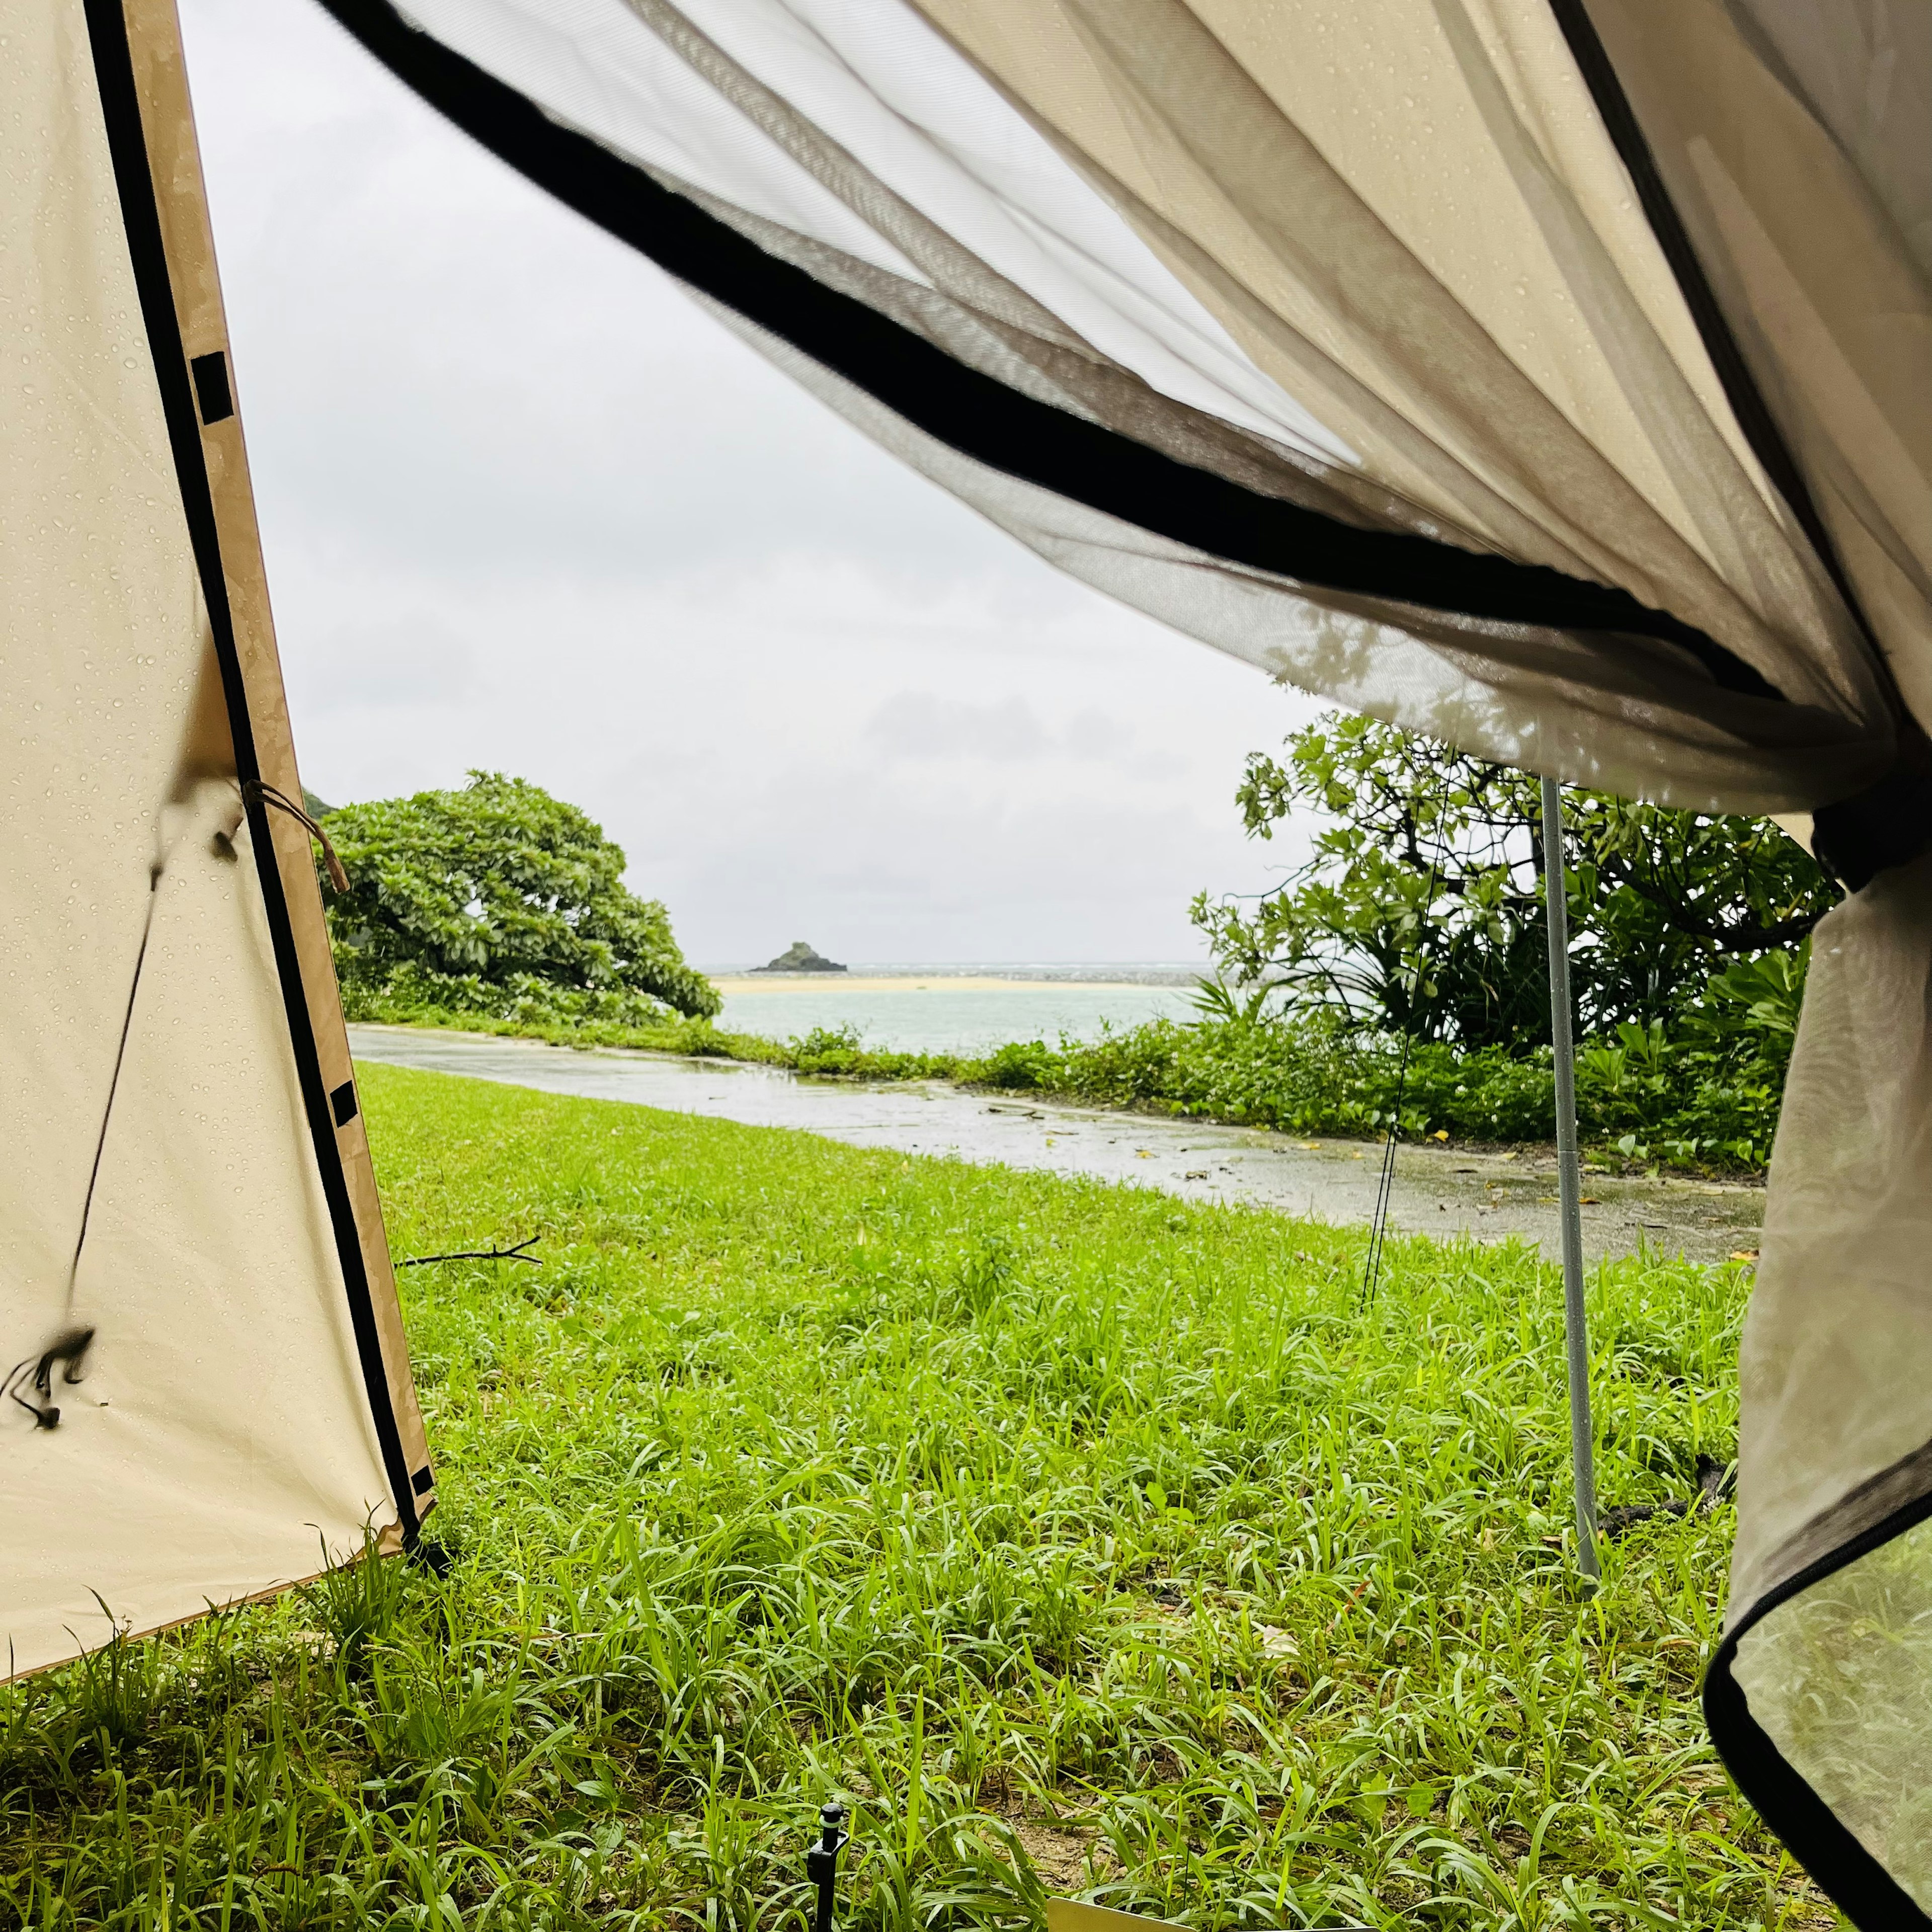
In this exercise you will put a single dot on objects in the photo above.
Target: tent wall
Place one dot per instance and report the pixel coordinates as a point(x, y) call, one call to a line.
point(174, 1071)
point(1513, 306)
point(1819, 1694)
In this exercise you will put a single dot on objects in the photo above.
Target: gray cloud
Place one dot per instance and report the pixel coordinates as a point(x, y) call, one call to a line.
point(526, 507)
point(918, 725)
point(390, 663)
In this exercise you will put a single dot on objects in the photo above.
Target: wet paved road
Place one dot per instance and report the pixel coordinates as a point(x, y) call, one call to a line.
point(1438, 1191)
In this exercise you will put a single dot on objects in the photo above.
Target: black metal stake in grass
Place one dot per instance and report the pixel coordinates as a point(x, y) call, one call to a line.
point(1570, 1185)
point(821, 1862)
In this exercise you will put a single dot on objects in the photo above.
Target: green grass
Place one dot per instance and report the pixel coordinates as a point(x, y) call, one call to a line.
point(1082, 1540)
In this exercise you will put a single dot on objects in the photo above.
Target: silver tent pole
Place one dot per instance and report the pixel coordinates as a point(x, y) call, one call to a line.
point(1575, 1335)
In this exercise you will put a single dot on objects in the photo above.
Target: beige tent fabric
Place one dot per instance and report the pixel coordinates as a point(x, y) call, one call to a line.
point(1809, 206)
point(1836, 1374)
point(221, 1442)
point(1864, 70)
point(1793, 142)
point(1420, 193)
point(1836, 1366)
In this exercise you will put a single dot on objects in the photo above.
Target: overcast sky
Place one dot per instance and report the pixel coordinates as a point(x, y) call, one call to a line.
point(527, 509)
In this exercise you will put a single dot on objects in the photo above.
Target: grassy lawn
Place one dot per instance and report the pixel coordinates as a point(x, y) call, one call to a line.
point(1082, 1540)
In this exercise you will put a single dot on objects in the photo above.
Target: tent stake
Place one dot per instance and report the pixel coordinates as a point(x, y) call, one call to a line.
point(1575, 1335)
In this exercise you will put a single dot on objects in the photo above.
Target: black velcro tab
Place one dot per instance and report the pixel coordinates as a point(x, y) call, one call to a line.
point(343, 1101)
point(211, 388)
point(422, 1482)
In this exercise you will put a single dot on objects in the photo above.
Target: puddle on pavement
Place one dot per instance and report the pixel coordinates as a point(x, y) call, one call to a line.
point(1438, 1191)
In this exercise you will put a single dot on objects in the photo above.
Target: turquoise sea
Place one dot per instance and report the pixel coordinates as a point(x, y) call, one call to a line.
point(955, 1008)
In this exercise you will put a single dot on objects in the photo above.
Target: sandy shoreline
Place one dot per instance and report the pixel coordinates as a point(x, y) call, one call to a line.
point(739, 985)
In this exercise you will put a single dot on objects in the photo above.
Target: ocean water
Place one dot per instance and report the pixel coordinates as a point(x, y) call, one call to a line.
point(955, 1008)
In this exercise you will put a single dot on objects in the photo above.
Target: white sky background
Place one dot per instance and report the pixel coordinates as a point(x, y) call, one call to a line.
point(525, 507)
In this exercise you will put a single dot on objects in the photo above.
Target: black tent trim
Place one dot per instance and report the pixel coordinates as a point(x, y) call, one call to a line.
point(126, 140)
point(1889, 823)
point(1855, 1881)
point(982, 418)
point(1741, 389)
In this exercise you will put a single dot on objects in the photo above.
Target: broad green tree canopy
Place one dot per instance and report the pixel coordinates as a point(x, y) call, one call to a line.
point(499, 883)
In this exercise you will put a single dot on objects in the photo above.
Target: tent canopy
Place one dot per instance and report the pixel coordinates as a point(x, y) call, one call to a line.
point(1341, 336)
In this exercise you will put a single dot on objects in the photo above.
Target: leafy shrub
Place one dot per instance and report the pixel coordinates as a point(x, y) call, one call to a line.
point(409, 992)
point(1020, 1066)
point(1420, 907)
point(1687, 1101)
point(1757, 1001)
point(828, 1050)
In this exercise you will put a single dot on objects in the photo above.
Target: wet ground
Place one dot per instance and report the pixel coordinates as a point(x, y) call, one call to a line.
point(1438, 1191)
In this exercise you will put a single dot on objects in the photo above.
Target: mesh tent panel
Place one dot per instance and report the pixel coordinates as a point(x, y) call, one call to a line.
point(1517, 518)
point(1835, 1679)
point(1474, 683)
point(1811, 228)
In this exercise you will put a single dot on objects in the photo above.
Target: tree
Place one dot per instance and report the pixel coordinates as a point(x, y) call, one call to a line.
point(498, 888)
point(1421, 907)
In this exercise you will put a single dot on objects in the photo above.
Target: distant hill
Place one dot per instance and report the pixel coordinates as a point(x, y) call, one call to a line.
point(800, 957)
point(312, 806)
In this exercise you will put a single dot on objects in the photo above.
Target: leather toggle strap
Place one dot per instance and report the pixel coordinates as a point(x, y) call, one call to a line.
point(268, 794)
